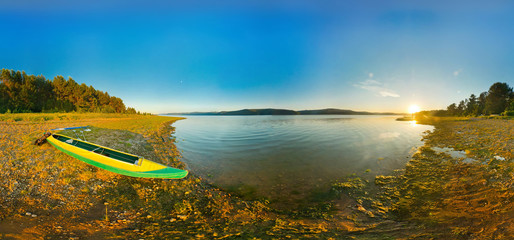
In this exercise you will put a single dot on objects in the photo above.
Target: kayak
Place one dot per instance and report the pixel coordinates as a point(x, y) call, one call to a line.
point(113, 160)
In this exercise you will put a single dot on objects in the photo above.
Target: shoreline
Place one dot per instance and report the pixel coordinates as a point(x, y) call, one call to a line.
point(149, 208)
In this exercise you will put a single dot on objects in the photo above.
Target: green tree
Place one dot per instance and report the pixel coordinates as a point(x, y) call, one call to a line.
point(131, 110)
point(511, 105)
point(20, 92)
point(452, 109)
point(481, 103)
point(498, 97)
point(461, 109)
point(472, 105)
point(3, 98)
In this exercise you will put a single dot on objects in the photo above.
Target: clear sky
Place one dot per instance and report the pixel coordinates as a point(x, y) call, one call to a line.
point(181, 56)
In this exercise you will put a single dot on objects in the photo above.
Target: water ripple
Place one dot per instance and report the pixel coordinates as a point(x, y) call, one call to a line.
point(291, 151)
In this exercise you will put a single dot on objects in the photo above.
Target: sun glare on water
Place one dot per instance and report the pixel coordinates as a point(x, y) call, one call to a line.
point(413, 109)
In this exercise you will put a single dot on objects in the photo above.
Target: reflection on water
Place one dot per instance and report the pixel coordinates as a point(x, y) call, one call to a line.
point(389, 135)
point(285, 158)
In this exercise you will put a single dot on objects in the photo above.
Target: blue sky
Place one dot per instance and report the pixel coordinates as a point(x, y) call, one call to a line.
point(166, 56)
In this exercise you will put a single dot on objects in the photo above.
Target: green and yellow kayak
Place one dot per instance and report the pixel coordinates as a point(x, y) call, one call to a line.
point(113, 160)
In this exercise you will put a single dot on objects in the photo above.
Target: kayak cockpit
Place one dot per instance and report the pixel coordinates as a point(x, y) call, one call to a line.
point(124, 157)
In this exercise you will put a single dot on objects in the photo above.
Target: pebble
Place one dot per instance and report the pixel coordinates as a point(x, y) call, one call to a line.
point(28, 214)
point(361, 208)
point(34, 215)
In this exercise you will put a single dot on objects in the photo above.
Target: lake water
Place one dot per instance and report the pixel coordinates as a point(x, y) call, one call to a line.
point(288, 158)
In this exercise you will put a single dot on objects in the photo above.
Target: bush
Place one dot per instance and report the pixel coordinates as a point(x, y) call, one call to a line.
point(508, 113)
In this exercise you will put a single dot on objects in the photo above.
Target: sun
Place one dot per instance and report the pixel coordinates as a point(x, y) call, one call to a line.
point(414, 109)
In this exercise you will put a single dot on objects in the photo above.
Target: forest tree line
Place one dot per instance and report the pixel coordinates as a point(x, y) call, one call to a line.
point(498, 100)
point(20, 93)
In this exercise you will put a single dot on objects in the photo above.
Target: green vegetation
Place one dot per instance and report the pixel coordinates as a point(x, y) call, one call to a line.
point(405, 119)
point(42, 117)
point(498, 100)
point(21, 93)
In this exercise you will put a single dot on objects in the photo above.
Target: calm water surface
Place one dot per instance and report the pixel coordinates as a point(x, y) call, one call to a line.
point(287, 158)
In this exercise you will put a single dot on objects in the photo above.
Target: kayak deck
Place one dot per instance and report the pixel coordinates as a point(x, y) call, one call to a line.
point(129, 158)
point(113, 160)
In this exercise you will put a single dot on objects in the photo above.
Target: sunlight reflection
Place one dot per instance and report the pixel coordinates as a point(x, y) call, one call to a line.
point(389, 135)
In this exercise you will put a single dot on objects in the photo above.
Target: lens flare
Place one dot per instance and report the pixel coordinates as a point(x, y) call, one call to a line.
point(414, 109)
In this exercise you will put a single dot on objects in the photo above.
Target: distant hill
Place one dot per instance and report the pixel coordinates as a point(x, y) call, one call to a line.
point(267, 111)
point(335, 111)
point(273, 111)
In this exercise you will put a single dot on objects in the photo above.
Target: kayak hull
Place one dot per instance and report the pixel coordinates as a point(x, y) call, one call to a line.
point(143, 168)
